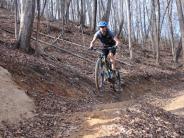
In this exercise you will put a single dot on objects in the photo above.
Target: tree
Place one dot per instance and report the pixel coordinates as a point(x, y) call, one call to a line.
point(37, 49)
point(156, 27)
point(121, 19)
point(82, 18)
point(44, 4)
point(181, 21)
point(129, 28)
point(16, 20)
point(2, 4)
point(107, 12)
point(171, 31)
point(158, 31)
point(94, 14)
point(63, 15)
point(26, 24)
point(67, 5)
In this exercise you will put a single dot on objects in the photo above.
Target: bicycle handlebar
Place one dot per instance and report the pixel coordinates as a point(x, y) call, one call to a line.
point(108, 48)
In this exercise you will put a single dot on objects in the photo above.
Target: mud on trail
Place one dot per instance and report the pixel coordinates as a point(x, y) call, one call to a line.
point(61, 88)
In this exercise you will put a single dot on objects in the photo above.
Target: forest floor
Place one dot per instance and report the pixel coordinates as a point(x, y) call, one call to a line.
point(54, 95)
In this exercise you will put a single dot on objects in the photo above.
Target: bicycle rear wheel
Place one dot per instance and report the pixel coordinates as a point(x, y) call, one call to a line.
point(99, 75)
point(117, 83)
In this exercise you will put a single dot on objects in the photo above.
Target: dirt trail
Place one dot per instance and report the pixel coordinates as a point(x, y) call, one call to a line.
point(102, 121)
point(123, 119)
point(14, 104)
point(176, 105)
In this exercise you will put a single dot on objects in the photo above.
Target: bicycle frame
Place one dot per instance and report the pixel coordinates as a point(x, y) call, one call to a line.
point(105, 61)
point(103, 72)
point(104, 58)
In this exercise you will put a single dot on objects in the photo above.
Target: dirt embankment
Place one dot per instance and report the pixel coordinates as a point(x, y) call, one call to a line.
point(14, 104)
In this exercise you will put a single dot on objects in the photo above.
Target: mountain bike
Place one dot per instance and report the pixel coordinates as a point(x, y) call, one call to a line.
point(104, 73)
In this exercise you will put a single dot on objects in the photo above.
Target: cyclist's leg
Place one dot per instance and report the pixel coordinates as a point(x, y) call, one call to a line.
point(112, 56)
point(105, 52)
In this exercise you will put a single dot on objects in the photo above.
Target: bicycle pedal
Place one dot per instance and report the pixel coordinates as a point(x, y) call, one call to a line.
point(105, 79)
point(111, 80)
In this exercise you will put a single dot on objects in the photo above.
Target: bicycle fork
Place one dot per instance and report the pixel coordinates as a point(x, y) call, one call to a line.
point(108, 71)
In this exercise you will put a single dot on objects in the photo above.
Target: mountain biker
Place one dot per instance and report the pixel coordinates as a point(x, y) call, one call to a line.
point(108, 40)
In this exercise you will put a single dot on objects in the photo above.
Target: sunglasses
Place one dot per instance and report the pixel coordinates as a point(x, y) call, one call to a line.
point(102, 27)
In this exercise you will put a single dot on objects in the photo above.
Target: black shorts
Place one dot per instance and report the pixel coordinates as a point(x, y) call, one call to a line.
point(106, 51)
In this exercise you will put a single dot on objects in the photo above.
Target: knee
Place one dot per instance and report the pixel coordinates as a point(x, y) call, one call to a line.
point(112, 59)
point(111, 56)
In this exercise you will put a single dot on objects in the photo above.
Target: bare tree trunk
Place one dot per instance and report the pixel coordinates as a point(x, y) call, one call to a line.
point(137, 27)
point(89, 12)
point(44, 5)
point(153, 28)
point(178, 51)
point(181, 22)
point(107, 12)
point(1, 4)
point(152, 42)
point(164, 13)
point(63, 14)
point(156, 28)
point(94, 14)
point(129, 28)
point(48, 18)
point(67, 5)
point(158, 34)
point(82, 15)
point(141, 25)
point(52, 9)
point(38, 19)
point(58, 10)
point(73, 16)
point(102, 9)
point(171, 31)
point(26, 24)
point(16, 20)
point(149, 28)
point(78, 10)
point(120, 27)
point(144, 22)
point(122, 21)
point(38, 49)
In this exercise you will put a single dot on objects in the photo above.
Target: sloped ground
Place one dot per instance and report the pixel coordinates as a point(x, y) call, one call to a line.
point(64, 99)
point(15, 104)
point(56, 96)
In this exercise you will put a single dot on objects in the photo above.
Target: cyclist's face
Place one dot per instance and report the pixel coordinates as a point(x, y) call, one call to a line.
point(103, 29)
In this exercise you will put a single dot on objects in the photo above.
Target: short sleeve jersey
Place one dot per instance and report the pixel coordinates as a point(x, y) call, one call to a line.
point(107, 39)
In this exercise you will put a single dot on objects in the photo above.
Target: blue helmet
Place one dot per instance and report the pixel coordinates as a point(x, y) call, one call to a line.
point(102, 24)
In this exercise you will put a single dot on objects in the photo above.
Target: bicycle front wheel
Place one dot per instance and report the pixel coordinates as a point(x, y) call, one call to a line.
point(117, 83)
point(99, 75)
